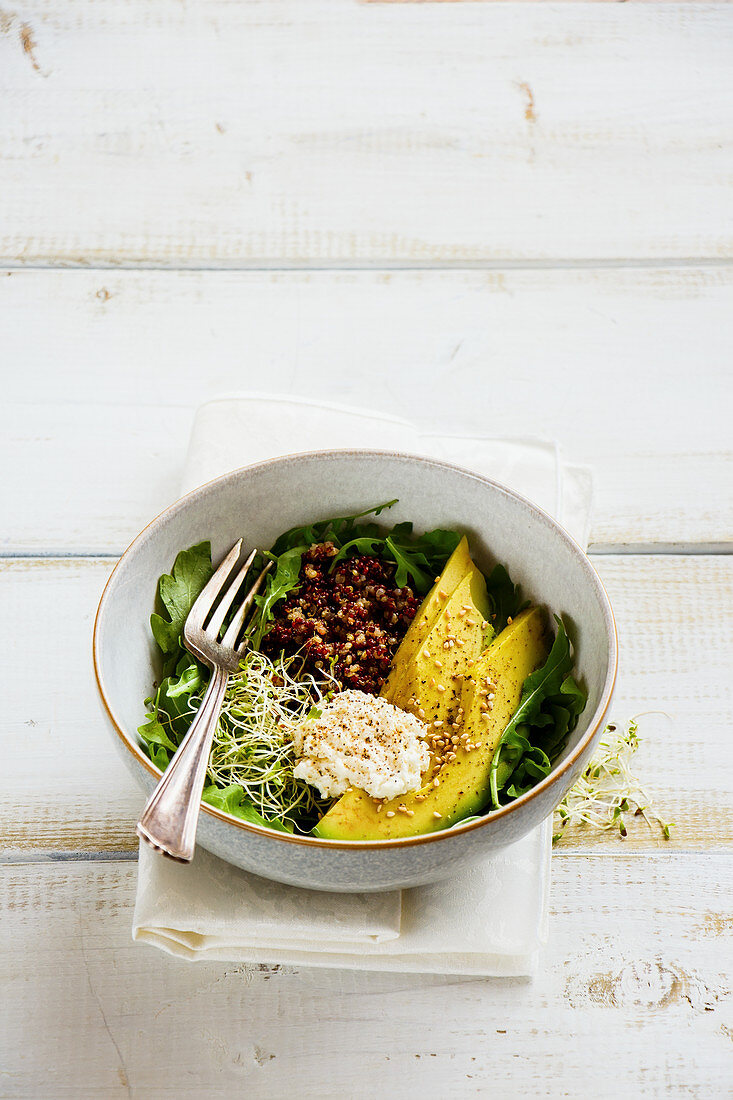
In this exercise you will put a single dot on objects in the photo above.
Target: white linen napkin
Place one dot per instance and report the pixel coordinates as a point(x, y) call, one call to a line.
point(211, 910)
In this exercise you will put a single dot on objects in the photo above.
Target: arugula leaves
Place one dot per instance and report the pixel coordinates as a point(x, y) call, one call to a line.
point(279, 582)
point(177, 592)
point(418, 559)
point(505, 597)
point(173, 706)
point(548, 711)
point(339, 531)
point(231, 800)
point(172, 709)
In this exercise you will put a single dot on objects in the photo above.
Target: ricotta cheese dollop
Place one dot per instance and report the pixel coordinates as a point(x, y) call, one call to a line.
point(361, 741)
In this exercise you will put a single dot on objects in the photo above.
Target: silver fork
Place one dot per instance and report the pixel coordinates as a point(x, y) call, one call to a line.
point(168, 822)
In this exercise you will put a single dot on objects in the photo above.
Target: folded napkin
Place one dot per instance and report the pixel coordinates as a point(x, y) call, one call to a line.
point(489, 920)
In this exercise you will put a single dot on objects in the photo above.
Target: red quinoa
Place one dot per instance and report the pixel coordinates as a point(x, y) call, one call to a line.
point(353, 616)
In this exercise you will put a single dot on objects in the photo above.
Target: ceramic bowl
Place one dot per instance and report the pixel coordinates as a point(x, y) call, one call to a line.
point(259, 502)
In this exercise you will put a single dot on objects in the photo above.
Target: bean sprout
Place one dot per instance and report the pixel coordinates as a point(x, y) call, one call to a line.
point(608, 789)
point(253, 743)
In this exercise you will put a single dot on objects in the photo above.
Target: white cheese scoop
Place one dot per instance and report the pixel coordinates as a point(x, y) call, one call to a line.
point(361, 741)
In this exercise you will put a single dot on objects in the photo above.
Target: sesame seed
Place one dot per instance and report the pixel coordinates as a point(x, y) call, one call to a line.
point(436, 782)
point(509, 620)
point(390, 813)
point(443, 594)
point(471, 622)
point(437, 663)
point(438, 724)
point(436, 814)
point(439, 687)
point(462, 613)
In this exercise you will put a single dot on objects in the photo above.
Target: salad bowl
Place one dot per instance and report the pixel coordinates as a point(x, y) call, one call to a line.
point(260, 501)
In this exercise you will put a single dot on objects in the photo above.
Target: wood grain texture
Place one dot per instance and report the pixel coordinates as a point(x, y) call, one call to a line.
point(632, 997)
point(340, 131)
point(63, 789)
point(608, 361)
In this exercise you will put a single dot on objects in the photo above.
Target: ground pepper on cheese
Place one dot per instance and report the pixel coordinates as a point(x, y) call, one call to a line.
point(361, 741)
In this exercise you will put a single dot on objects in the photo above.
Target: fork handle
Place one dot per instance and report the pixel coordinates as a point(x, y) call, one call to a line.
point(168, 822)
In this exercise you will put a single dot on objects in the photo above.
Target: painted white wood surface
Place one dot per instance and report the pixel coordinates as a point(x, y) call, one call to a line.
point(63, 789)
point(629, 369)
point(334, 131)
point(580, 153)
point(633, 999)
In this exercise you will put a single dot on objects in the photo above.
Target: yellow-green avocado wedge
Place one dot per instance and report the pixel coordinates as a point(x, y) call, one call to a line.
point(464, 781)
point(429, 680)
point(455, 569)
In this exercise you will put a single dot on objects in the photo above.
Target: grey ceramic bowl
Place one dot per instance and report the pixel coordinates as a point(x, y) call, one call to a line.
point(259, 502)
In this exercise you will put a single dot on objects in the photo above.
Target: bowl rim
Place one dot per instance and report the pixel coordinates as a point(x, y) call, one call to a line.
point(397, 842)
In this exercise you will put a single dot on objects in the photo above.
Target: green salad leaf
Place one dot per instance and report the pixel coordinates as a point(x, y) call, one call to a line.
point(172, 709)
point(419, 559)
point(177, 592)
point(339, 530)
point(231, 800)
point(548, 711)
point(505, 597)
point(280, 582)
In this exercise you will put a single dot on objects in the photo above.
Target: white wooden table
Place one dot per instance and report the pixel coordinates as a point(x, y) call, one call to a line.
point(484, 216)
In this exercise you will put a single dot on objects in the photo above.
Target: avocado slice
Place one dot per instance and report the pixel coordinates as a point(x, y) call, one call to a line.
point(464, 781)
point(428, 681)
point(455, 569)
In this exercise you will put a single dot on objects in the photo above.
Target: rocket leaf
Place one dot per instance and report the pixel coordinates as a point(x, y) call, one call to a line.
point(548, 710)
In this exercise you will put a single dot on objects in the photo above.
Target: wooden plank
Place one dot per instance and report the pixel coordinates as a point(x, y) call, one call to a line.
point(64, 790)
point(503, 352)
point(633, 978)
point(347, 132)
